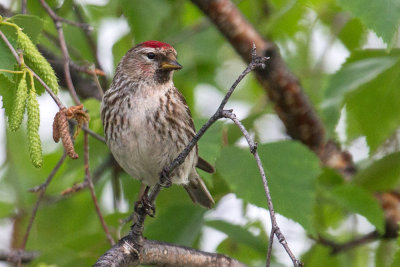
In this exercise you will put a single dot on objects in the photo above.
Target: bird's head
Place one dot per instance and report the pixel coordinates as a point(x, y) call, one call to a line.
point(152, 61)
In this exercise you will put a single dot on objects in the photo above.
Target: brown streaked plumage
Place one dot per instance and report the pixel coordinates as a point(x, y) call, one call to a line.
point(147, 122)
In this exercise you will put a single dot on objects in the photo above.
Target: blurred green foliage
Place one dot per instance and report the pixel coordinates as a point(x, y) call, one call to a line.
point(363, 92)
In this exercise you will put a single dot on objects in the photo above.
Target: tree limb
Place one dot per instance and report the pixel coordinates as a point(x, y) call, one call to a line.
point(282, 86)
point(152, 252)
point(18, 255)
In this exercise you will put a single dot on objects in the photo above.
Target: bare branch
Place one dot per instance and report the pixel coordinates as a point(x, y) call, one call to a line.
point(275, 228)
point(23, 6)
point(63, 45)
point(42, 189)
point(55, 17)
point(98, 172)
point(126, 253)
point(340, 247)
point(18, 255)
point(91, 187)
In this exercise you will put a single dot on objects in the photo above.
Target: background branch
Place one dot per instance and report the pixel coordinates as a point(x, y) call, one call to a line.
point(282, 86)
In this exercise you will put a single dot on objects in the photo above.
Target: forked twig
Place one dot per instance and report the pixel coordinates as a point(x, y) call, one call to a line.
point(42, 190)
point(119, 255)
point(275, 228)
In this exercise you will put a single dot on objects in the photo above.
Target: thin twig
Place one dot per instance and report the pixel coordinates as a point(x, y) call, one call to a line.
point(84, 69)
point(337, 247)
point(55, 17)
point(48, 90)
point(253, 149)
point(134, 237)
point(91, 41)
point(63, 45)
point(23, 6)
point(42, 190)
point(269, 252)
point(98, 85)
point(96, 176)
point(255, 63)
point(91, 187)
point(93, 134)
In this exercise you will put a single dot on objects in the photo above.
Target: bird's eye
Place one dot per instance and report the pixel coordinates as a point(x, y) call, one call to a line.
point(151, 55)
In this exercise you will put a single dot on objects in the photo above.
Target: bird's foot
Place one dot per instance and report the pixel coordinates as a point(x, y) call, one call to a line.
point(165, 181)
point(143, 206)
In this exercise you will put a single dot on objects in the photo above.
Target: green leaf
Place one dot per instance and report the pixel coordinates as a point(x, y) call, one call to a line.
point(372, 111)
point(320, 255)
point(293, 170)
point(243, 252)
point(356, 199)
point(209, 145)
point(381, 175)
point(284, 21)
point(396, 260)
point(8, 93)
point(31, 25)
point(290, 169)
point(6, 209)
point(382, 16)
point(7, 60)
point(353, 34)
point(349, 78)
point(121, 47)
point(145, 17)
point(327, 214)
point(240, 235)
point(385, 253)
point(180, 224)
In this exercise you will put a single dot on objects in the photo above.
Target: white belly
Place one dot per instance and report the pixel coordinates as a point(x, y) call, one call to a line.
point(143, 152)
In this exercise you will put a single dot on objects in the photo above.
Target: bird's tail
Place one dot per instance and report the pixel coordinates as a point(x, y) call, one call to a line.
point(199, 193)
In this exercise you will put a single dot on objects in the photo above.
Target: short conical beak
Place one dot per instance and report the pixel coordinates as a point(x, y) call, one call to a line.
point(171, 65)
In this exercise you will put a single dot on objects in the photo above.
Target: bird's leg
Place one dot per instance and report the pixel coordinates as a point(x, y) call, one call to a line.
point(143, 205)
point(165, 180)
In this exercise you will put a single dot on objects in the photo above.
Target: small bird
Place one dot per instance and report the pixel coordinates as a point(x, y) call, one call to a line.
point(147, 122)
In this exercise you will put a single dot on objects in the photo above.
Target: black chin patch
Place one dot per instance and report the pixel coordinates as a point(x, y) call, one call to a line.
point(162, 76)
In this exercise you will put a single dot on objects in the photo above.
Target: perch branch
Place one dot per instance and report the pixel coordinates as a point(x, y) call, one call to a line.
point(161, 254)
point(18, 255)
